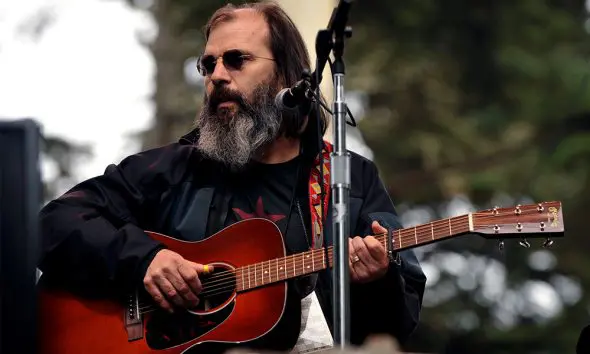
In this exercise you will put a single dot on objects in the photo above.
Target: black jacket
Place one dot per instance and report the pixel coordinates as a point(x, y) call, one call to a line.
point(93, 235)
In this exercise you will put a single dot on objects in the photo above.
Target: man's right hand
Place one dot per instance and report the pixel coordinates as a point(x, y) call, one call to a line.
point(172, 280)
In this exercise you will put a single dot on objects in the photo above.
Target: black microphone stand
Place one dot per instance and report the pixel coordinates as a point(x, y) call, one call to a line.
point(332, 40)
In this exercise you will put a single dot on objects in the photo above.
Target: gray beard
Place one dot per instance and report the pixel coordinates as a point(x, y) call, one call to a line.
point(234, 139)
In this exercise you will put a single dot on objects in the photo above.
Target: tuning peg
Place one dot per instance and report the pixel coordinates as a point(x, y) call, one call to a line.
point(517, 210)
point(495, 210)
point(524, 243)
point(501, 245)
point(548, 243)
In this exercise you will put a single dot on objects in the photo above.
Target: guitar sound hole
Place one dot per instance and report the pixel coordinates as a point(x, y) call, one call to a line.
point(218, 288)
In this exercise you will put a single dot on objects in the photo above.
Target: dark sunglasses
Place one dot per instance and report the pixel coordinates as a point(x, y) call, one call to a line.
point(232, 60)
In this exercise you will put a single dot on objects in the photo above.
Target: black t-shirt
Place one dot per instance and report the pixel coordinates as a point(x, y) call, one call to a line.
point(267, 191)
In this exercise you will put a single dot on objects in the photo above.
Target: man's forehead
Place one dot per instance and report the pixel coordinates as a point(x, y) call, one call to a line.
point(246, 30)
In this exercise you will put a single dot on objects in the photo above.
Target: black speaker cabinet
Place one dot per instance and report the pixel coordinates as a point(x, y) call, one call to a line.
point(20, 201)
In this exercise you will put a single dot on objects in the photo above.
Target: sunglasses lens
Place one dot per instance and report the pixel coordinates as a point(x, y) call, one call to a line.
point(206, 65)
point(233, 59)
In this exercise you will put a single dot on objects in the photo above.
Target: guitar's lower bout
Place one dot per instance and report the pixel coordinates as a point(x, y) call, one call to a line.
point(164, 330)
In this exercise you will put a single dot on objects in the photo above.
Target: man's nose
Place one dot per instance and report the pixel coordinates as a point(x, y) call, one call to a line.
point(220, 75)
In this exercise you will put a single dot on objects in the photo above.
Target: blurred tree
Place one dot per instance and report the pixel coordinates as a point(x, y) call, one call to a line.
point(482, 99)
point(487, 100)
point(62, 156)
point(179, 41)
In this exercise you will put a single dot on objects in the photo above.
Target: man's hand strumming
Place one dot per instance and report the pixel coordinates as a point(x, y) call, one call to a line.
point(172, 280)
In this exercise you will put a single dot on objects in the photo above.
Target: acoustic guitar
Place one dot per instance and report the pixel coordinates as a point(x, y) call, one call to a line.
point(244, 298)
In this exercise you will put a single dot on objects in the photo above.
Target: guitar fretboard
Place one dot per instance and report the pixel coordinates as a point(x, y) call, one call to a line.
point(280, 269)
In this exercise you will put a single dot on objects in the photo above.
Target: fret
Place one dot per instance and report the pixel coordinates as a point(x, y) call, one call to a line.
point(277, 268)
point(323, 260)
point(450, 228)
point(313, 262)
point(285, 259)
point(294, 267)
point(262, 273)
point(249, 286)
point(241, 276)
point(415, 235)
point(303, 263)
point(432, 230)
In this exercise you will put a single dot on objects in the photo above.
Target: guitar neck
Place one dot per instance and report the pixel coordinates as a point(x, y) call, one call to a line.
point(300, 264)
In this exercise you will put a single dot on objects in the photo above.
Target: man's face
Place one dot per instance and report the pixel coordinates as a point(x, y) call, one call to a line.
point(239, 116)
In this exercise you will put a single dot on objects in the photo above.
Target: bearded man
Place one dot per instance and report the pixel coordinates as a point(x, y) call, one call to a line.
point(243, 159)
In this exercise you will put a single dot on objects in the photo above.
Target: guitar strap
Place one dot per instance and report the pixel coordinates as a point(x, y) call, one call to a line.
point(317, 204)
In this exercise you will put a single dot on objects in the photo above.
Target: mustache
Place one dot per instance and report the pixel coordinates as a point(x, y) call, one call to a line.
point(222, 94)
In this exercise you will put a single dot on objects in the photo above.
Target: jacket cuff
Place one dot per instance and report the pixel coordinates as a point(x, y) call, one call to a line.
point(145, 263)
point(389, 284)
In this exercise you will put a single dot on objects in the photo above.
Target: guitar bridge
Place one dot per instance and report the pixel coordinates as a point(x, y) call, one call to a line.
point(133, 319)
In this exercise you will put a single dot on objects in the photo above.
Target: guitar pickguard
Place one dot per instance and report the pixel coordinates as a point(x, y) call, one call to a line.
point(164, 330)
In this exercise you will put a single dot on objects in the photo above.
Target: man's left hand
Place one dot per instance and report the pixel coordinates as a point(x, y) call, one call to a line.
point(367, 257)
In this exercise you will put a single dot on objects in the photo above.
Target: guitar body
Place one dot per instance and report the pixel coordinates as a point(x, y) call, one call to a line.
point(74, 324)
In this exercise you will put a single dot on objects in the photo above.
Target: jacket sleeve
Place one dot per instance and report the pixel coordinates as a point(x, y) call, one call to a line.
point(92, 236)
point(392, 304)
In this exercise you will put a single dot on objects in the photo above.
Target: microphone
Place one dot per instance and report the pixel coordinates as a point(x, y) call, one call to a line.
point(290, 99)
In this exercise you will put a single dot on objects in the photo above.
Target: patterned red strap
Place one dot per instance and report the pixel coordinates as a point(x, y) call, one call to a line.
point(314, 194)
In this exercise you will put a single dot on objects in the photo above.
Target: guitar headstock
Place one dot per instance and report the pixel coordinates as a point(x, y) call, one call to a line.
point(541, 220)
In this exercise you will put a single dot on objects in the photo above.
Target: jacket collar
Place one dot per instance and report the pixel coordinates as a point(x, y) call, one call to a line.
point(190, 138)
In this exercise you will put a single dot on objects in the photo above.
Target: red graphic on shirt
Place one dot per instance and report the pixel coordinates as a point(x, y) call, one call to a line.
point(259, 213)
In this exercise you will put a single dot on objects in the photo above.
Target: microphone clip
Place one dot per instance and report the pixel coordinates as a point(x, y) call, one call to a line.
point(298, 96)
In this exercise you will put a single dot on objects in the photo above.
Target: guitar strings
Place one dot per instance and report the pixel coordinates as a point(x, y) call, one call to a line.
point(223, 285)
point(223, 275)
point(437, 226)
point(220, 285)
point(224, 281)
point(294, 261)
